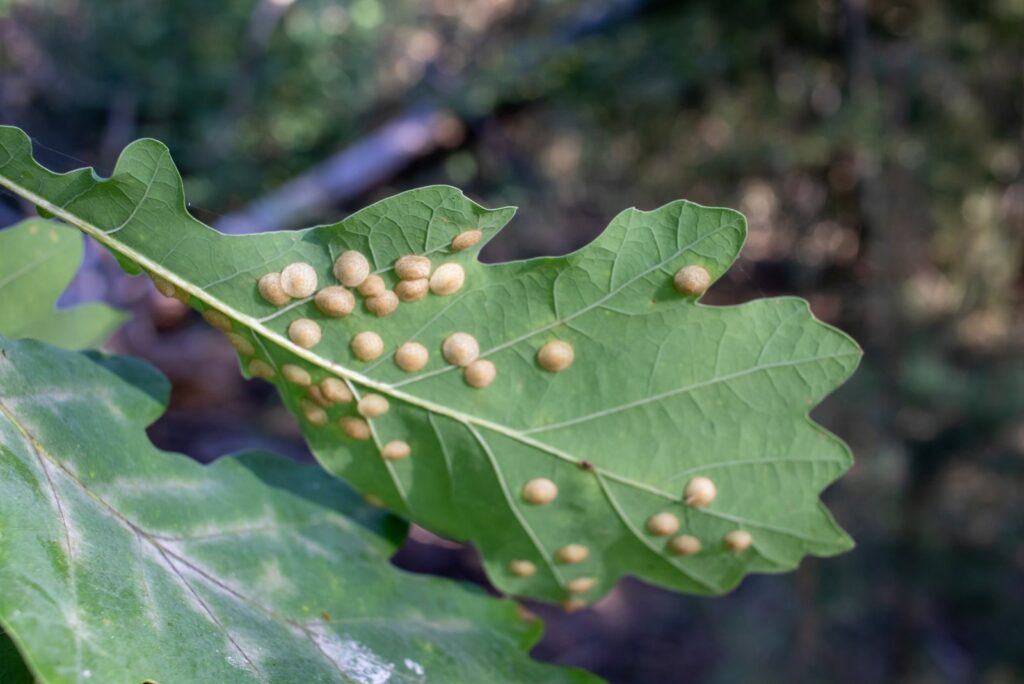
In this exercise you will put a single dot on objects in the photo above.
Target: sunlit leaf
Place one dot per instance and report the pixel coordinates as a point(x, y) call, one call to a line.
point(123, 563)
point(37, 261)
point(662, 389)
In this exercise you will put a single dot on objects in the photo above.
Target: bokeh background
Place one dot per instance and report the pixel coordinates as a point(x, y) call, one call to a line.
point(874, 145)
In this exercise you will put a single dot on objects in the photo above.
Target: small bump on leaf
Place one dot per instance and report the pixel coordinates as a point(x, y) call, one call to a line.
point(684, 545)
point(540, 491)
point(738, 540)
point(466, 239)
point(480, 373)
point(164, 286)
point(412, 290)
point(367, 345)
point(372, 286)
point(313, 413)
point(335, 390)
point(662, 524)
point(700, 492)
point(692, 280)
point(304, 332)
point(522, 568)
point(555, 356)
point(355, 428)
point(373, 406)
point(258, 368)
point(383, 304)
point(411, 357)
point(447, 279)
point(412, 267)
point(218, 320)
point(581, 585)
point(460, 349)
point(351, 268)
point(270, 289)
point(298, 280)
point(296, 374)
point(572, 553)
point(335, 301)
point(241, 344)
point(395, 450)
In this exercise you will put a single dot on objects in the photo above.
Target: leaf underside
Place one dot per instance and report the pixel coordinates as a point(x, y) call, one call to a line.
point(122, 563)
point(37, 261)
point(662, 389)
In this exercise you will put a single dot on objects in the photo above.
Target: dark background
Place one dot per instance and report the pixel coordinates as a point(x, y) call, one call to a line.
point(875, 147)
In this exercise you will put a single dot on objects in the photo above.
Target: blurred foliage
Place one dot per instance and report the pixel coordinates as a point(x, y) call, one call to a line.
point(875, 145)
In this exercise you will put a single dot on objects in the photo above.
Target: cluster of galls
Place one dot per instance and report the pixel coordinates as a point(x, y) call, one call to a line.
point(699, 493)
point(461, 349)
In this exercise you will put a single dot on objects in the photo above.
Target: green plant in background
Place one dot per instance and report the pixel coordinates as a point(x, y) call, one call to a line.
point(577, 418)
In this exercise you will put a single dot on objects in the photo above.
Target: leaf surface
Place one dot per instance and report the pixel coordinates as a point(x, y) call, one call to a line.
point(123, 563)
point(38, 259)
point(662, 389)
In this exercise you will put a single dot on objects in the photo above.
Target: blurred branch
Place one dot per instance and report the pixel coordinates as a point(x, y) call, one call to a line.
point(411, 136)
point(347, 174)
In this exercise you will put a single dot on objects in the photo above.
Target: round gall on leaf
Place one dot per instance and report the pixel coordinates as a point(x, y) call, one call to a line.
point(218, 320)
point(316, 395)
point(412, 290)
point(460, 349)
point(522, 568)
point(164, 286)
point(383, 304)
point(738, 540)
point(573, 604)
point(335, 390)
point(447, 279)
point(373, 406)
point(556, 356)
point(684, 545)
point(270, 289)
point(296, 374)
point(367, 346)
point(258, 368)
point(572, 553)
point(395, 450)
point(700, 492)
point(335, 301)
point(355, 428)
point(480, 373)
point(298, 280)
point(540, 491)
point(412, 267)
point(411, 357)
point(662, 524)
point(313, 413)
point(351, 268)
point(372, 286)
point(304, 332)
point(242, 345)
point(466, 239)
point(581, 585)
point(692, 280)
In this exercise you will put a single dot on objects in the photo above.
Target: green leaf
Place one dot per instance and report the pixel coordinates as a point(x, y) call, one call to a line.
point(37, 261)
point(663, 389)
point(123, 563)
